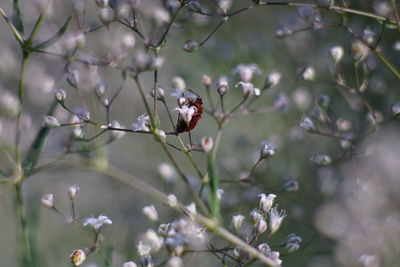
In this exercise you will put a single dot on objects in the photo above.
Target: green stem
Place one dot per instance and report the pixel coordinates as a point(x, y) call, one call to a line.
point(388, 64)
point(26, 251)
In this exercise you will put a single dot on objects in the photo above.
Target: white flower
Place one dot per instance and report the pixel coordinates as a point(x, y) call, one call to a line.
point(247, 88)
point(73, 191)
point(266, 202)
point(48, 200)
point(154, 240)
point(117, 134)
point(77, 257)
point(246, 71)
point(97, 223)
point(308, 74)
point(151, 213)
point(337, 53)
point(187, 112)
point(172, 201)
point(267, 150)
point(275, 218)
point(129, 264)
point(274, 255)
point(60, 95)
point(143, 249)
point(51, 121)
point(272, 79)
point(264, 248)
point(141, 123)
point(369, 260)
point(237, 221)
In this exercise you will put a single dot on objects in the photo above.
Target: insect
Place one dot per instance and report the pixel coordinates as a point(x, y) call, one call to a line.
point(183, 126)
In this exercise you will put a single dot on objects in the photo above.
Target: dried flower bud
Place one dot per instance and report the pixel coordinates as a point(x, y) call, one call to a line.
point(151, 213)
point(48, 200)
point(237, 222)
point(190, 46)
point(337, 53)
point(207, 144)
point(207, 80)
point(129, 264)
point(77, 257)
point(308, 73)
point(73, 191)
point(60, 95)
point(268, 150)
point(51, 121)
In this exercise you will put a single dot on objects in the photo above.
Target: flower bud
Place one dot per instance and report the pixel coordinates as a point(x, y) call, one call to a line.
point(264, 248)
point(162, 137)
point(60, 95)
point(172, 201)
point(396, 108)
point(207, 144)
point(261, 226)
point(151, 213)
point(337, 53)
point(237, 222)
point(207, 80)
point(268, 150)
point(272, 80)
point(48, 200)
point(106, 15)
point(73, 191)
point(360, 50)
point(256, 216)
point(77, 257)
point(291, 185)
point(292, 247)
point(160, 93)
point(178, 83)
point(190, 46)
point(307, 124)
point(308, 73)
point(51, 121)
point(222, 86)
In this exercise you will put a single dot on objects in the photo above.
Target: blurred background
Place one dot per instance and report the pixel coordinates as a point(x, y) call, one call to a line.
point(342, 210)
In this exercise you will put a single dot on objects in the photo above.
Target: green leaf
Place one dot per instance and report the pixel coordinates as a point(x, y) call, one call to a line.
point(55, 37)
point(36, 148)
point(17, 19)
